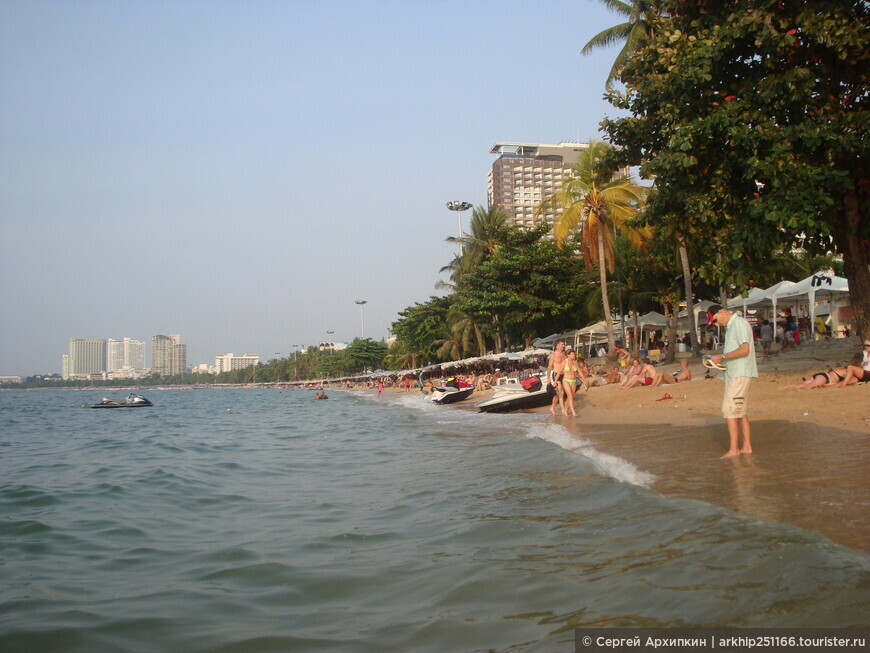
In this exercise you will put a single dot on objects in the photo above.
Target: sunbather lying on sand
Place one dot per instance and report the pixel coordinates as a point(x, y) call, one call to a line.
point(822, 379)
point(682, 374)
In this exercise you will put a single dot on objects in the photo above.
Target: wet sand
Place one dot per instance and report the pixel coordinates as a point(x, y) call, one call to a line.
point(802, 474)
point(811, 448)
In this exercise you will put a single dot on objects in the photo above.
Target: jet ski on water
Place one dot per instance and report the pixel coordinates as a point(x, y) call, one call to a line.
point(517, 395)
point(451, 392)
point(132, 401)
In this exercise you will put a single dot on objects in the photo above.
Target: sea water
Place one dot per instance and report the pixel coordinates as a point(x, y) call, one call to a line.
point(263, 520)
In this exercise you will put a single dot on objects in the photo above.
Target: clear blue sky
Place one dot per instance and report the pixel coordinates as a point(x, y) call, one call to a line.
point(241, 172)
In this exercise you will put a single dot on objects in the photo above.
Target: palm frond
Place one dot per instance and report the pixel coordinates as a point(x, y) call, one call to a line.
point(607, 37)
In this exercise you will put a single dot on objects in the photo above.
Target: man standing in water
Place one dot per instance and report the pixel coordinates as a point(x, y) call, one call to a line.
point(554, 373)
point(739, 358)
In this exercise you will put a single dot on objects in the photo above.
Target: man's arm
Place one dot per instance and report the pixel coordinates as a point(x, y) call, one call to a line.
point(740, 352)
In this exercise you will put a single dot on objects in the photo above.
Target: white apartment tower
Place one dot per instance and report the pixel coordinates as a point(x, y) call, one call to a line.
point(87, 357)
point(524, 174)
point(228, 362)
point(126, 353)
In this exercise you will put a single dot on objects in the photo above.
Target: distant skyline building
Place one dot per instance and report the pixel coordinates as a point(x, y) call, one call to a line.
point(332, 346)
point(87, 358)
point(125, 354)
point(524, 174)
point(168, 355)
point(229, 362)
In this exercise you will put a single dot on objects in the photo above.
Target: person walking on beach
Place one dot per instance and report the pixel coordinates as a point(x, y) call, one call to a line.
point(554, 374)
point(766, 338)
point(739, 354)
point(570, 378)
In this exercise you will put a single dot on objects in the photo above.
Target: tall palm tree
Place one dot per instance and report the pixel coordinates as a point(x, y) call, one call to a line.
point(487, 229)
point(486, 233)
point(595, 209)
point(634, 32)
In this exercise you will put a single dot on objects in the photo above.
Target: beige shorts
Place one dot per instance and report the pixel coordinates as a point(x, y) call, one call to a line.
point(736, 398)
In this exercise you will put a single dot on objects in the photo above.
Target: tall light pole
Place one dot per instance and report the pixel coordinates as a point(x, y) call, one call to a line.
point(459, 207)
point(296, 361)
point(362, 326)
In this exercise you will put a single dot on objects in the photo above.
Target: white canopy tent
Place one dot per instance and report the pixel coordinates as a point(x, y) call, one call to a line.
point(788, 293)
point(766, 297)
point(810, 287)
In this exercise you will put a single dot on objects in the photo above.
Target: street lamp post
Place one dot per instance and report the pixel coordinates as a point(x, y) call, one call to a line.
point(459, 207)
point(362, 327)
point(296, 361)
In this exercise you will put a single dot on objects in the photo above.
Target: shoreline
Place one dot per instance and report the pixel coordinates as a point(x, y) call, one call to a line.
point(811, 449)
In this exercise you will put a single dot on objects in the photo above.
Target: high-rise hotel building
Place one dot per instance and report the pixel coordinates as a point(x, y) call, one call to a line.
point(228, 362)
point(127, 353)
point(168, 355)
point(87, 358)
point(524, 174)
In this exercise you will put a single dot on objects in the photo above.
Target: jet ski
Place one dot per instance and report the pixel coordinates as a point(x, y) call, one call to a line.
point(517, 395)
point(132, 401)
point(451, 392)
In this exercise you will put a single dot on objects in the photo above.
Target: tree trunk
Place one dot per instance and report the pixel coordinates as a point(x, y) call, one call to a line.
point(670, 330)
point(690, 301)
point(481, 341)
point(605, 300)
point(636, 336)
point(855, 249)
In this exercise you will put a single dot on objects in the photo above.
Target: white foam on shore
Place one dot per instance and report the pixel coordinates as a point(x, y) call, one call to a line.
point(532, 426)
point(605, 463)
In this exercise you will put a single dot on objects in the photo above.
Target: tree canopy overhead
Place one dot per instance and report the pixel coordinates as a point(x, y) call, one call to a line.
point(751, 117)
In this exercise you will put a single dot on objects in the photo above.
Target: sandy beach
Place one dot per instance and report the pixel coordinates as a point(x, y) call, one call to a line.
point(811, 452)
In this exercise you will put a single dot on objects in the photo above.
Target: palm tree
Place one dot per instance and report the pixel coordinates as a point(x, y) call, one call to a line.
point(596, 209)
point(487, 230)
point(635, 32)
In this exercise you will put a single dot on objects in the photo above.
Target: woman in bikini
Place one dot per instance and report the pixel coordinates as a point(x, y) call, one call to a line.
point(822, 379)
point(570, 376)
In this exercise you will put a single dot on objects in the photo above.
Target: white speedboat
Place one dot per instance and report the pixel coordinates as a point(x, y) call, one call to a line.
point(516, 395)
point(450, 394)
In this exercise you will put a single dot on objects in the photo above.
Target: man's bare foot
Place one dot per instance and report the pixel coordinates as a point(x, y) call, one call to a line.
point(746, 451)
point(730, 454)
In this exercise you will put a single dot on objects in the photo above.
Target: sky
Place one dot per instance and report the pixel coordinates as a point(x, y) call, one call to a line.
point(241, 172)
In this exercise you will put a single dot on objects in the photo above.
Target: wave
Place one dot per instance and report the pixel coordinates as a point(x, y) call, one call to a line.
point(607, 464)
point(531, 426)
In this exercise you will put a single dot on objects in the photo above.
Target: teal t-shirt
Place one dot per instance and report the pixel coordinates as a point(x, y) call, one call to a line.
point(737, 332)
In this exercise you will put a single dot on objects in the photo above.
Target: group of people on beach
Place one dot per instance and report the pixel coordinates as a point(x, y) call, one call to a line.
point(567, 372)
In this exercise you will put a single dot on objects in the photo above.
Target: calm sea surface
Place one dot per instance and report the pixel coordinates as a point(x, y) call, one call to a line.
point(363, 524)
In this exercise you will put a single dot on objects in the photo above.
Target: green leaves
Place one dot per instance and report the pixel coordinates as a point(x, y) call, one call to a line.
point(725, 96)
